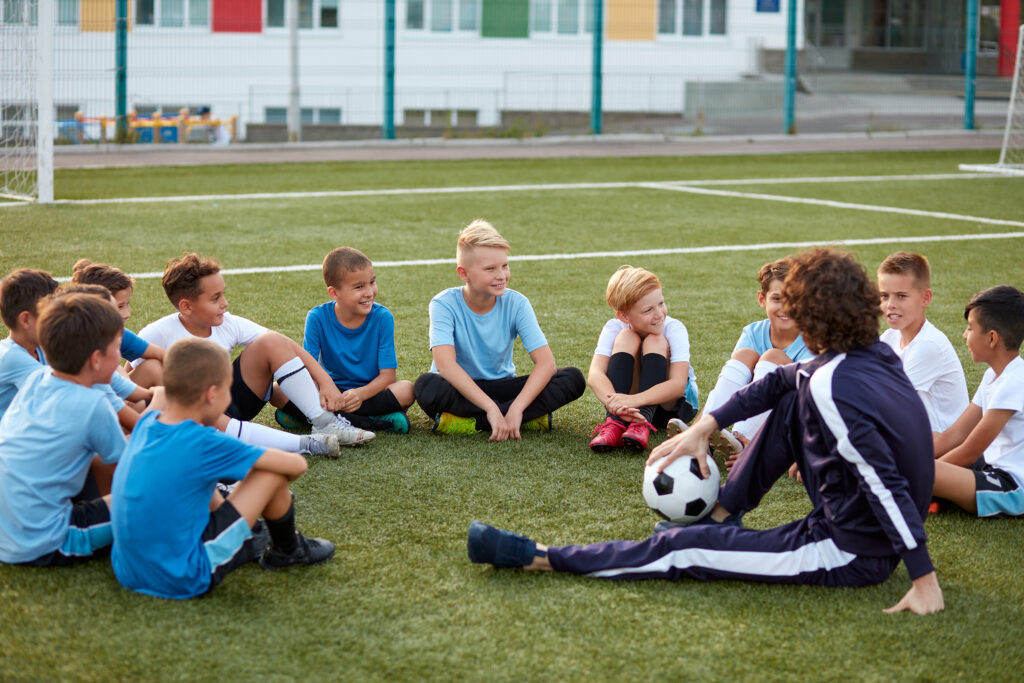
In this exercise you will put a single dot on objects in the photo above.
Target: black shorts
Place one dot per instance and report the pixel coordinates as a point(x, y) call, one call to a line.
point(226, 540)
point(997, 493)
point(245, 404)
point(89, 536)
point(682, 409)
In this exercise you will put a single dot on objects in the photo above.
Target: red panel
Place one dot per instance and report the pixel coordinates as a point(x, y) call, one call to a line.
point(1009, 22)
point(237, 16)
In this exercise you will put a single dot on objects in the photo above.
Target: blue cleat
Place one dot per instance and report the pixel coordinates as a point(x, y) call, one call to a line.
point(489, 545)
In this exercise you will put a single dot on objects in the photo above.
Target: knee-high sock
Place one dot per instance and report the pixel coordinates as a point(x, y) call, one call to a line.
point(620, 372)
point(750, 426)
point(261, 435)
point(733, 377)
point(653, 371)
point(297, 384)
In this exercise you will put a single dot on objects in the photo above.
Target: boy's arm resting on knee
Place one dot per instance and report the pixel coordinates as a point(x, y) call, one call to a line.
point(672, 389)
point(983, 433)
point(153, 352)
point(597, 378)
point(452, 372)
point(385, 378)
point(957, 433)
point(330, 395)
point(289, 465)
point(542, 372)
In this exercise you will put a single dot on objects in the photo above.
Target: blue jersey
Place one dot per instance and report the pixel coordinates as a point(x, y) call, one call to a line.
point(160, 504)
point(16, 364)
point(757, 336)
point(132, 345)
point(483, 343)
point(48, 437)
point(866, 437)
point(352, 357)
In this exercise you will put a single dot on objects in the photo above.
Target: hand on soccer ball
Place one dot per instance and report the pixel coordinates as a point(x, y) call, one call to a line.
point(694, 441)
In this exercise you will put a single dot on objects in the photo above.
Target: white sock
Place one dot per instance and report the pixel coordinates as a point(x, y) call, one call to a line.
point(749, 427)
point(733, 377)
point(266, 437)
point(297, 384)
point(763, 368)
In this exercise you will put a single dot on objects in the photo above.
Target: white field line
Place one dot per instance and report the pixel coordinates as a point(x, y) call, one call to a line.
point(516, 188)
point(625, 253)
point(834, 204)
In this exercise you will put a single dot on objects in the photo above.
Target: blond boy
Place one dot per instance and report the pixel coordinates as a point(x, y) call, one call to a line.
point(472, 383)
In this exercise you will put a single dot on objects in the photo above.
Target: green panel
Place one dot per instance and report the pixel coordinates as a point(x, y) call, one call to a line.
point(505, 19)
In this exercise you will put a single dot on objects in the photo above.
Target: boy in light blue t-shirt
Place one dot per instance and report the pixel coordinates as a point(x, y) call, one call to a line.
point(51, 431)
point(472, 384)
point(21, 292)
point(353, 338)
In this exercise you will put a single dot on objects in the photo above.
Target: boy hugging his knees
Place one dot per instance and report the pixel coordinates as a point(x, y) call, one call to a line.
point(472, 384)
point(641, 368)
point(931, 363)
point(50, 433)
point(196, 288)
point(980, 463)
point(353, 338)
point(175, 535)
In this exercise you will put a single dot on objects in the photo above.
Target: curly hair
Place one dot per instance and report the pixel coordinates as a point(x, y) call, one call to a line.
point(770, 272)
point(832, 300)
point(182, 276)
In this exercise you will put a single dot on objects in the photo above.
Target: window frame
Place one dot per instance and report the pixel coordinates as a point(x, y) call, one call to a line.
point(679, 21)
point(186, 19)
point(316, 16)
point(456, 8)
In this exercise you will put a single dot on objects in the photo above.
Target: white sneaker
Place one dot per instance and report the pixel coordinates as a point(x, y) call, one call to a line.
point(324, 444)
point(346, 434)
point(725, 444)
point(675, 426)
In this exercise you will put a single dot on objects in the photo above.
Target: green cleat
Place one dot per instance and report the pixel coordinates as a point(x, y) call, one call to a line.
point(537, 424)
point(446, 423)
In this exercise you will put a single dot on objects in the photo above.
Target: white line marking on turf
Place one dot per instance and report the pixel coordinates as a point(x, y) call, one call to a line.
point(631, 252)
point(833, 204)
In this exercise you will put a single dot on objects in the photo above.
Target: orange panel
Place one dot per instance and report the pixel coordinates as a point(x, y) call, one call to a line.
point(99, 15)
point(630, 19)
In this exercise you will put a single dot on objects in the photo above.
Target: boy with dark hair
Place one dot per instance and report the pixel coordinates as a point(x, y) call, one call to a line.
point(353, 338)
point(472, 383)
point(980, 463)
point(51, 431)
point(175, 535)
point(195, 287)
point(20, 294)
point(931, 363)
point(858, 433)
point(641, 369)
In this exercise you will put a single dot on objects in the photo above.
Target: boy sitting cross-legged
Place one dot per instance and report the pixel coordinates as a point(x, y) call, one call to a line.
point(50, 432)
point(195, 287)
point(472, 383)
point(353, 338)
point(851, 421)
point(641, 368)
point(980, 463)
point(931, 363)
point(175, 536)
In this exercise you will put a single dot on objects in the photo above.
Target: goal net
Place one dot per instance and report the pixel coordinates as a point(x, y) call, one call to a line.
point(1011, 158)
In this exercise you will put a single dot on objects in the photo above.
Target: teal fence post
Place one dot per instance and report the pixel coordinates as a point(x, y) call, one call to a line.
point(388, 130)
point(595, 78)
point(970, 63)
point(121, 72)
point(789, 98)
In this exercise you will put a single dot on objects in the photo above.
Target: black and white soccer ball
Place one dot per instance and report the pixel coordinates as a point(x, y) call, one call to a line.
point(678, 493)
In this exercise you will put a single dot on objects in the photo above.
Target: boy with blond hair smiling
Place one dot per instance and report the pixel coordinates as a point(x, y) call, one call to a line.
point(641, 368)
point(175, 535)
point(904, 283)
point(472, 383)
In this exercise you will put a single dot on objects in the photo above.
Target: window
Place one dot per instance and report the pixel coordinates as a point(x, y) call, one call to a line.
point(717, 26)
point(692, 13)
point(443, 16)
point(540, 16)
point(309, 115)
point(667, 16)
point(324, 12)
point(562, 17)
point(67, 12)
point(20, 11)
point(172, 13)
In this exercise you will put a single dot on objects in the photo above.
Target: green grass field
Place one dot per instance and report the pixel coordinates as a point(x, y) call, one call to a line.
point(400, 600)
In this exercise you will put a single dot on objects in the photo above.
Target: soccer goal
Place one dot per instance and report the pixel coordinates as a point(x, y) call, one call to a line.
point(26, 101)
point(1011, 158)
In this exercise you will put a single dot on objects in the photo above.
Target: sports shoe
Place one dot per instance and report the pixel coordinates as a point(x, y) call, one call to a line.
point(396, 422)
point(607, 435)
point(258, 543)
point(537, 424)
point(637, 435)
point(347, 434)
point(307, 551)
point(323, 444)
point(724, 444)
point(489, 545)
point(446, 423)
point(731, 520)
point(675, 426)
point(288, 422)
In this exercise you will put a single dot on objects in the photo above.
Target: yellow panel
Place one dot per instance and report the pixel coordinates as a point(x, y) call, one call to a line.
point(630, 19)
point(99, 15)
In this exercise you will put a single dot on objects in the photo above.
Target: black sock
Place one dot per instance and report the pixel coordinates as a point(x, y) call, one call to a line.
point(621, 367)
point(653, 371)
point(282, 530)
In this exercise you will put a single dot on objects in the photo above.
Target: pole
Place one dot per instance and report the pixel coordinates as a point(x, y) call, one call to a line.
point(388, 132)
point(121, 72)
point(789, 98)
point(596, 75)
point(970, 63)
point(294, 113)
point(44, 103)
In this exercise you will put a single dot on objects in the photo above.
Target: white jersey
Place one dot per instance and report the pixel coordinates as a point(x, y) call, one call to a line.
point(934, 369)
point(1005, 392)
point(675, 333)
point(234, 331)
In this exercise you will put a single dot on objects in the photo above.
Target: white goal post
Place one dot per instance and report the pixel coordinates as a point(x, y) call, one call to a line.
point(1011, 158)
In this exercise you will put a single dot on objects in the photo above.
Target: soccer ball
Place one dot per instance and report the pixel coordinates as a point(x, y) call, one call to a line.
point(678, 493)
